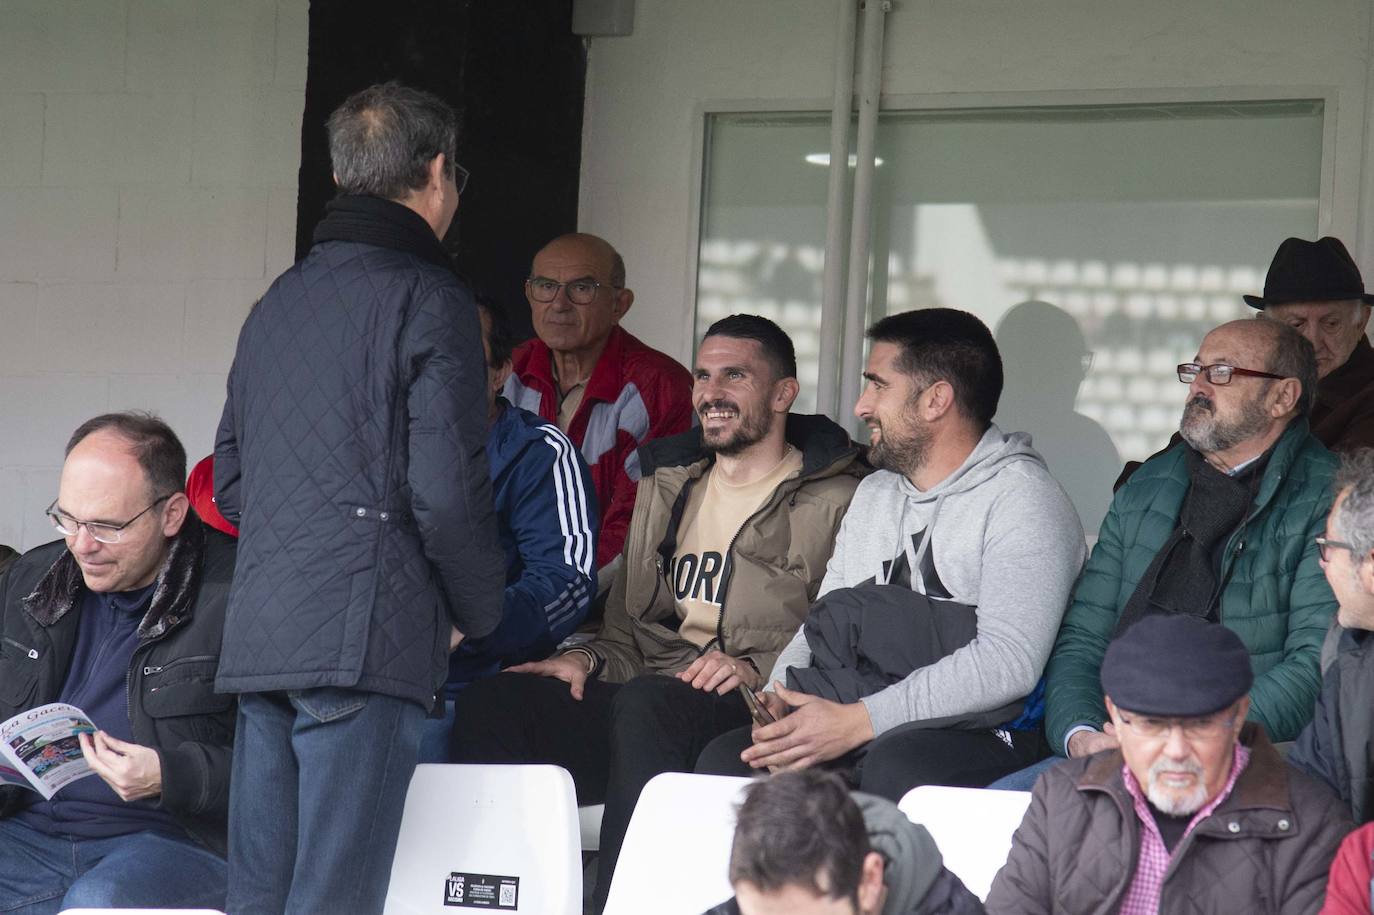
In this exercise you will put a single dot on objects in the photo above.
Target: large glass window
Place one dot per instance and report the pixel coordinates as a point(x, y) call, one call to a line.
point(1098, 242)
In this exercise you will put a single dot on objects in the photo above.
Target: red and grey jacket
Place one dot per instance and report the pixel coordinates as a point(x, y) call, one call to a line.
point(635, 394)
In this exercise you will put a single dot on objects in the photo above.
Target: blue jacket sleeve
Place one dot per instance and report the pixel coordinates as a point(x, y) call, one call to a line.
point(546, 498)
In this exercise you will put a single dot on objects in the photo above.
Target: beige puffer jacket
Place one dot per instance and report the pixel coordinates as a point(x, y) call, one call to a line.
point(772, 572)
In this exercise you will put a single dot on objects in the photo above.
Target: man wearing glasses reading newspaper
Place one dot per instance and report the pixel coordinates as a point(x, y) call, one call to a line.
point(122, 619)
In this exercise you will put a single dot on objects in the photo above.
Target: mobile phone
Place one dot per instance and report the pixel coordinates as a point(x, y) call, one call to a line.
point(757, 711)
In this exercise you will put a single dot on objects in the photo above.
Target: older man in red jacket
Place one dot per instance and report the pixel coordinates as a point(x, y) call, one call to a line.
point(608, 391)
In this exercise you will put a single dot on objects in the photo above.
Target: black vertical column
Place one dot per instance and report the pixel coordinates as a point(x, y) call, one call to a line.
point(515, 73)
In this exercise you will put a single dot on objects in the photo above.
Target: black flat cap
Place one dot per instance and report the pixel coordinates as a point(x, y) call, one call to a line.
point(1176, 665)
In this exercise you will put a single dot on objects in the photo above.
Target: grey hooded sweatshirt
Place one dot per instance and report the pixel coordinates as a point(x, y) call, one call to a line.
point(998, 534)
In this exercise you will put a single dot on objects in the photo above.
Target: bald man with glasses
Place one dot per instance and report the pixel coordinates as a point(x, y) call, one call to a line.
point(608, 391)
point(123, 619)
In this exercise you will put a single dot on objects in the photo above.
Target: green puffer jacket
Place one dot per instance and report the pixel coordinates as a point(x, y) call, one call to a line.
point(1275, 596)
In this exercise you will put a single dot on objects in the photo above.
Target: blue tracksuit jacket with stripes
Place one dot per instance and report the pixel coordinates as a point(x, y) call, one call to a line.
point(547, 512)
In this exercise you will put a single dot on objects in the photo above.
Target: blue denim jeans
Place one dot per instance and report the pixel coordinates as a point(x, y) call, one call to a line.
point(319, 785)
point(42, 874)
point(434, 736)
point(1024, 779)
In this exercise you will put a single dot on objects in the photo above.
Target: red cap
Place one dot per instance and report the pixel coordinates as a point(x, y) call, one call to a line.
point(200, 489)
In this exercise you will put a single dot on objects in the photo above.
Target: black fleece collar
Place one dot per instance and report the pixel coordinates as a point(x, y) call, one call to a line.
point(384, 223)
point(818, 438)
point(59, 590)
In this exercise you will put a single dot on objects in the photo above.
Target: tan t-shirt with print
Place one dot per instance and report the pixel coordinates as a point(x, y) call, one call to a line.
point(714, 513)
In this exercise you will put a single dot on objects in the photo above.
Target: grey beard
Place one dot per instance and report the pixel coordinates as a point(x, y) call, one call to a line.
point(1202, 429)
point(1172, 804)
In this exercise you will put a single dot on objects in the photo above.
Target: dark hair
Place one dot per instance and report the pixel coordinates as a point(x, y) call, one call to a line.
point(1355, 522)
point(945, 344)
point(772, 340)
point(800, 829)
point(153, 443)
point(382, 140)
point(500, 337)
point(1292, 356)
point(617, 270)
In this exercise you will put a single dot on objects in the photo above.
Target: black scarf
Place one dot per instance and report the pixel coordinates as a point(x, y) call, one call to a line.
point(384, 223)
point(1182, 578)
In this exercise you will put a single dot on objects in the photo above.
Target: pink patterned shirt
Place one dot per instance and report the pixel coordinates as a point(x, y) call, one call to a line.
point(1143, 896)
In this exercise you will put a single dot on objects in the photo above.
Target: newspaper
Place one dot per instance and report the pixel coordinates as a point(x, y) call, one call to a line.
point(39, 749)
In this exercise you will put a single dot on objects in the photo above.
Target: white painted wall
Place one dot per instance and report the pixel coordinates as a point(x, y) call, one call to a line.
point(148, 159)
point(646, 94)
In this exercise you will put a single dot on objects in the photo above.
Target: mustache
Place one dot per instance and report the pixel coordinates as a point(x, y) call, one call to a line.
point(1176, 767)
point(717, 405)
point(1201, 401)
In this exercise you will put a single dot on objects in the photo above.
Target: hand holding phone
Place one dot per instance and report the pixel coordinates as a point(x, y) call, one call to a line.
point(760, 714)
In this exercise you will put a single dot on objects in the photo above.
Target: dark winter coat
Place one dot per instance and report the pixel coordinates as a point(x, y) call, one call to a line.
point(352, 456)
point(1265, 849)
point(1336, 746)
point(173, 706)
point(1272, 592)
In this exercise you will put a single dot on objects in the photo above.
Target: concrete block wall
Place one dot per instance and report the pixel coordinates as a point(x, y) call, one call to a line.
point(148, 160)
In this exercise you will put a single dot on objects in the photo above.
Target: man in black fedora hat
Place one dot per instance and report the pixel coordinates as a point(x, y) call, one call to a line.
point(1194, 810)
point(1315, 288)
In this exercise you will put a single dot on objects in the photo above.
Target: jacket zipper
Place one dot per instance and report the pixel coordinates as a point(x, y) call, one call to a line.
point(142, 648)
point(30, 653)
point(147, 671)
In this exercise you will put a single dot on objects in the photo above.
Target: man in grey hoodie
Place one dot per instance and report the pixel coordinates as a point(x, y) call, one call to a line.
point(921, 662)
point(805, 846)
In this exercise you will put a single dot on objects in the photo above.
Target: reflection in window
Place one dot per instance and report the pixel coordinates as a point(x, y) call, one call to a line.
point(1140, 225)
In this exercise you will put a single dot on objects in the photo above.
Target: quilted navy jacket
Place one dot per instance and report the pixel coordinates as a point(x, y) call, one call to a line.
point(351, 454)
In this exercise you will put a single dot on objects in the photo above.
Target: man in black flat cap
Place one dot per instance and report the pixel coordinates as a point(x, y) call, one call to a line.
point(1315, 288)
point(1195, 811)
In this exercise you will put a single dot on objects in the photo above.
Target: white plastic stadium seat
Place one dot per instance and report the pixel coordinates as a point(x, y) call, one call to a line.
point(507, 834)
point(676, 855)
point(589, 822)
point(972, 826)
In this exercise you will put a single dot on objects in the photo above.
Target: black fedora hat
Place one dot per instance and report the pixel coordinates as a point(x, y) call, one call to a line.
point(1311, 271)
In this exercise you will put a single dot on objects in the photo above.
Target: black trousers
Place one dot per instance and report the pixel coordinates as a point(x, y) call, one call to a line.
point(905, 757)
point(613, 741)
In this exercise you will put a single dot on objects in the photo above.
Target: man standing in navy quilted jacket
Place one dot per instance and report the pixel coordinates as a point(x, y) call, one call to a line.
point(351, 455)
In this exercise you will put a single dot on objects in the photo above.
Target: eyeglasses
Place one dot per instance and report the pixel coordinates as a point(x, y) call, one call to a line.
point(1325, 547)
point(1218, 373)
point(1208, 727)
point(68, 526)
point(460, 177)
point(580, 292)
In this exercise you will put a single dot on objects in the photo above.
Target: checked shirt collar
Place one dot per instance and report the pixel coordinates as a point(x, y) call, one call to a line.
point(1143, 896)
